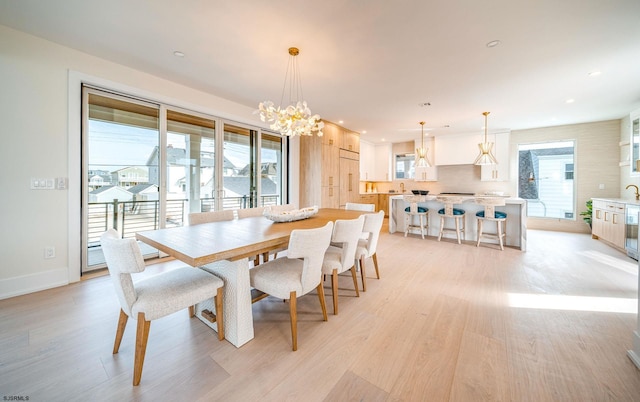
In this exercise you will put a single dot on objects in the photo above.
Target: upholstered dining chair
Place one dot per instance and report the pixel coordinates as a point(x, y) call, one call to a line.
point(367, 247)
point(354, 206)
point(196, 218)
point(247, 212)
point(297, 274)
point(156, 296)
point(341, 254)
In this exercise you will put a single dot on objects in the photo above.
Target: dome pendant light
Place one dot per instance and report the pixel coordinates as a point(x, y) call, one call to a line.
point(421, 153)
point(485, 157)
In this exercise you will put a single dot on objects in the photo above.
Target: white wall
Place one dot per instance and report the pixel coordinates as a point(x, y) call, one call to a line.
point(40, 114)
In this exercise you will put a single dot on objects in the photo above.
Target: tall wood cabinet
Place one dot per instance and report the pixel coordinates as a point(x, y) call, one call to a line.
point(329, 171)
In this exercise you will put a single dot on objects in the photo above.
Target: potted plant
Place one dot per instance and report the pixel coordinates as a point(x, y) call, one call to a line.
point(586, 215)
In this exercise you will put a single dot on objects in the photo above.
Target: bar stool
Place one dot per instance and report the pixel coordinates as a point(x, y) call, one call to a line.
point(456, 214)
point(412, 211)
point(491, 215)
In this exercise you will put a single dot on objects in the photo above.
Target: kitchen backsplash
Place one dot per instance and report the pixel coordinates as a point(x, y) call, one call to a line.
point(453, 178)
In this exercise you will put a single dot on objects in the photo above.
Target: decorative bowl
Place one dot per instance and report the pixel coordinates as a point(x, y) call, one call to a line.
point(291, 215)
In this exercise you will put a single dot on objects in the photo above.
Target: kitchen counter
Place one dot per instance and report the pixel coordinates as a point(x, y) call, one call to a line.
point(516, 209)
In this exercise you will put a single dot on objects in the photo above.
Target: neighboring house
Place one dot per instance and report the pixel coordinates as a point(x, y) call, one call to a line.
point(178, 169)
point(99, 178)
point(238, 186)
point(131, 176)
point(144, 192)
point(109, 193)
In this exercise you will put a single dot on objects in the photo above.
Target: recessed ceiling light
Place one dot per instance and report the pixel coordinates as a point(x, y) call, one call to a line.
point(383, 140)
point(341, 121)
point(594, 73)
point(178, 53)
point(493, 43)
point(364, 131)
point(570, 100)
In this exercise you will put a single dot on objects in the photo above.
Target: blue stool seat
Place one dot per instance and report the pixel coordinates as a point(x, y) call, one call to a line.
point(420, 209)
point(456, 211)
point(498, 214)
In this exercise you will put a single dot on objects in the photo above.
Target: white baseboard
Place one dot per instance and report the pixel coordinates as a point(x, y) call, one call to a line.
point(634, 354)
point(21, 285)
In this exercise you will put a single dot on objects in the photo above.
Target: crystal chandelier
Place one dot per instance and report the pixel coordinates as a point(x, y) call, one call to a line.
point(295, 119)
point(485, 157)
point(421, 153)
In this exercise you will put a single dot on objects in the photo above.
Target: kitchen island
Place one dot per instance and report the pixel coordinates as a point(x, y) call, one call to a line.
point(516, 209)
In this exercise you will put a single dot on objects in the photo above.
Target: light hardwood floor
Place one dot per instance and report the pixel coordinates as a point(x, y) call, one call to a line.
point(441, 325)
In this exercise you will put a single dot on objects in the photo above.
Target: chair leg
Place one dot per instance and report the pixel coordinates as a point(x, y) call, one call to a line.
point(500, 234)
point(334, 289)
point(323, 303)
point(363, 274)
point(192, 311)
point(355, 280)
point(479, 232)
point(374, 257)
point(219, 313)
point(441, 227)
point(122, 323)
point(457, 222)
point(141, 347)
point(294, 320)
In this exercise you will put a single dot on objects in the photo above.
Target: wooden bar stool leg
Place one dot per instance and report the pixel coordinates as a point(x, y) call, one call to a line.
point(500, 234)
point(479, 232)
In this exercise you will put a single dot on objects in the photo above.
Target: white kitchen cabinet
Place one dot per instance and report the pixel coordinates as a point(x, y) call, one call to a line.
point(427, 173)
point(382, 162)
point(367, 161)
point(375, 162)
point(500, 171)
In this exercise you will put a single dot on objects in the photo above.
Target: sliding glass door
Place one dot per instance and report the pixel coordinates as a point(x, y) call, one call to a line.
point(121, 177)
point(147, 166)
point(253, 168)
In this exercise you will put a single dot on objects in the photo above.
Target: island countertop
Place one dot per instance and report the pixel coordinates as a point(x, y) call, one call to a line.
point(516, 209)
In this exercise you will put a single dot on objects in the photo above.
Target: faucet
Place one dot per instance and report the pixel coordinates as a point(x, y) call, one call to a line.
point(402, 188)
point(637, 194)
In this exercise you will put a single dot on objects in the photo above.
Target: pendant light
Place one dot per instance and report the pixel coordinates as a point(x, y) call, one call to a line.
point(296, 118)
point(485, 157)
point(421, 153)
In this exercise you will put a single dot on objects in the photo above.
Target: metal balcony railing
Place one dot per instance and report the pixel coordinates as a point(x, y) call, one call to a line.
point(129, 217)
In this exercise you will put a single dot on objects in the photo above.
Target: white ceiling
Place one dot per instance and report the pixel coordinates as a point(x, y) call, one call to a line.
point(371, 63)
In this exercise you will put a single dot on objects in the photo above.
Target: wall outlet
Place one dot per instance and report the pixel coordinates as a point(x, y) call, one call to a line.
point(601, 186)
point(49, 252)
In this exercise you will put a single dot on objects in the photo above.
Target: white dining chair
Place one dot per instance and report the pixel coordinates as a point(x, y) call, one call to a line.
point(367, 247)
point(196, 218)
point(354, 206)
point(297, 274)
point(341, 254)
point(248, 212)
point(156, 296)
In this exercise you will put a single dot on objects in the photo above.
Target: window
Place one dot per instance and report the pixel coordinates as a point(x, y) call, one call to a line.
point(546, 179)
point(405, 166)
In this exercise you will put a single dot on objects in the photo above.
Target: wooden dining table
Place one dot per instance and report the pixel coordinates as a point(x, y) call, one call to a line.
point(225, 249)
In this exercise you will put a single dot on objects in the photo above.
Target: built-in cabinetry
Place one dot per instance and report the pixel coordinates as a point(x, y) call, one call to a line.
point(500, 171)
point(381, 201)
point(349, 177)
point(427, 173)
point(375, 162)
point(323, 173)
point(608, 222)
